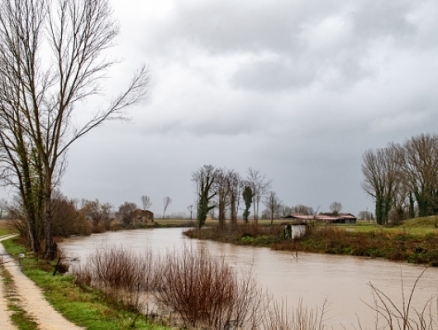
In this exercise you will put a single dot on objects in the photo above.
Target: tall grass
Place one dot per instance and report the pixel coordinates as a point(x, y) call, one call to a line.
point(119, 272)
point(207, 292)
point(195, 289)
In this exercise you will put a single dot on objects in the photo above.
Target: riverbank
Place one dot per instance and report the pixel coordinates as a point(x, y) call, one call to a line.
point(420, 247)
point(83, 306)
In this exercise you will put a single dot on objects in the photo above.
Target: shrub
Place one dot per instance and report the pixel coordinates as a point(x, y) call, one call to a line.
point(206, 292)
point(121, 273)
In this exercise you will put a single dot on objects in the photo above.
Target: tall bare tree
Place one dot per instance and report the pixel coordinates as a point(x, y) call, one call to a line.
point(235, 187)
point(223, 188)
point(418, 162)
point(146, 202)
point(166, 202)
point(190, 209)
point(273, 204)
point(381, 179)
point(51, 59)
point(259, 186)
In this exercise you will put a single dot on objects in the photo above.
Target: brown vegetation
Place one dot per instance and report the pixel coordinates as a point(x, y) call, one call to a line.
point(420, 249)
point(193, 288)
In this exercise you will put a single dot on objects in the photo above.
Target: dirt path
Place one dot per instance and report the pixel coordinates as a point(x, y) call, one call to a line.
point(5, 314)
point(31, 300)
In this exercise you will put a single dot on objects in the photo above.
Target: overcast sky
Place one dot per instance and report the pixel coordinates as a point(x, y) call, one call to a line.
point(298, 89)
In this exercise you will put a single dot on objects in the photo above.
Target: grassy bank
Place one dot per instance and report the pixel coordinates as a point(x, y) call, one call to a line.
point(415, 242)
point(81, 305)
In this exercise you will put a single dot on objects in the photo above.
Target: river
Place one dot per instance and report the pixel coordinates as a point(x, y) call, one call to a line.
point(341, 281)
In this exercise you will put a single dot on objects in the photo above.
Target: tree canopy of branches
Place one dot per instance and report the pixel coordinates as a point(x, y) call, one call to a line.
point(146, 202)
point(166, 202)
point(204, 179)
point(418, 171)
point(100, 215)
point(52, 60)
point(259, 186)
point(126, 212)
point(403, 177)
point(222, 188)
point(302, 209)
point(273, 204)
point(335, 207)
point(380, 172)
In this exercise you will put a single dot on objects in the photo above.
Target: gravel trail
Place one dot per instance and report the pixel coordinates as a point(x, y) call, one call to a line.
point(31, 300)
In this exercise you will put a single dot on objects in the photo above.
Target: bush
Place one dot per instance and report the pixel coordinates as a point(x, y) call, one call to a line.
point(206, 292)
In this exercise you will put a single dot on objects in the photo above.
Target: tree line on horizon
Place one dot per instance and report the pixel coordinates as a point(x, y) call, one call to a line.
point(220, 193)
point(402, 178)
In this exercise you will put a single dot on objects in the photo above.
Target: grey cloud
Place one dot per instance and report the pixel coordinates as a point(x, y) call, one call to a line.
point(298, 89)
point(271, 75)
point(378, 19)
point(281, 28)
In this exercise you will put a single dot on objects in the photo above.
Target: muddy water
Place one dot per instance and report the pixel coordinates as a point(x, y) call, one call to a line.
point(341, 281)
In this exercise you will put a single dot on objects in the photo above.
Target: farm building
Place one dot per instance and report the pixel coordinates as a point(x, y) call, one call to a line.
point(324, 217)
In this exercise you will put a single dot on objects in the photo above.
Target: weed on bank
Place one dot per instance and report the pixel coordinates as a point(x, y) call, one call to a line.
point(84, 306)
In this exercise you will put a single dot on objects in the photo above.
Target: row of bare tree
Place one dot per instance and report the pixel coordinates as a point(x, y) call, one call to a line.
point(403, 178)
point(52, 60)
point(224, 189)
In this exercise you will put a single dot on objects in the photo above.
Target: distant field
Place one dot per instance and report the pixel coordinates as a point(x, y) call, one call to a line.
point(423, 225)
point(4, 228)
point(414, 226)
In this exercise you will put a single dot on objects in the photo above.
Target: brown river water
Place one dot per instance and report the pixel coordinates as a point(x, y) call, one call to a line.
point(341, 281)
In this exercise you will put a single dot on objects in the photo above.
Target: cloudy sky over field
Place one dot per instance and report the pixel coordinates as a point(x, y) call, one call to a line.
point(298, 89)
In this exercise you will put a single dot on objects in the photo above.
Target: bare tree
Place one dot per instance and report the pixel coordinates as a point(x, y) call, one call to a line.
point(126, 212)
point(285, 210)
point(51, 59)
point(259, 185)
point(190, 209)
point(222, 187)
point(166, 201)
point(146, 201)
point(273, 204)
point(418, 170)
point(99, 214)
point(302, 209)
point(235, 187)
point(335, 207)
point(381, 179)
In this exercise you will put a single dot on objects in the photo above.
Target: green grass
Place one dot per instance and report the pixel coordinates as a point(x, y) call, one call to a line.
point(416, 226)
point(85, 307)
